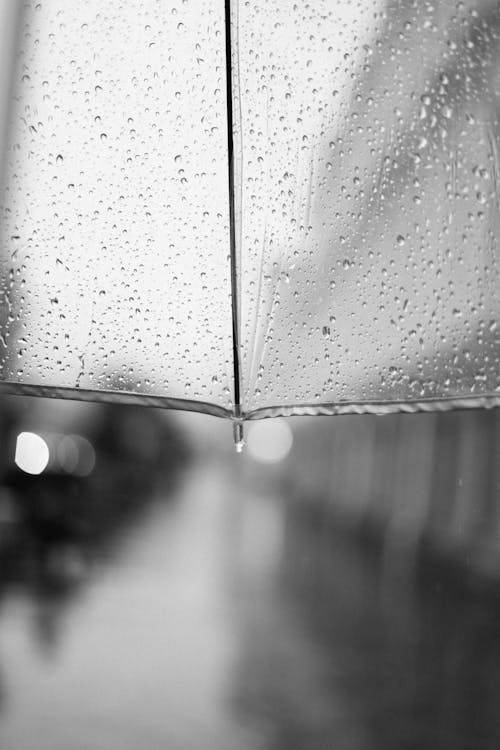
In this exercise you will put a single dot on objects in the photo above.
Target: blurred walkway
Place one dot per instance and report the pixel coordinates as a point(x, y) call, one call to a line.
point(228, 620)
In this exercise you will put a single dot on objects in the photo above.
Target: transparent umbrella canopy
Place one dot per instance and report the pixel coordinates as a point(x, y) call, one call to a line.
point(252, 209)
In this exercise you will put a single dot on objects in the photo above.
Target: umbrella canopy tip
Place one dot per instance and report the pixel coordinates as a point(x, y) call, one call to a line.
point(238, 435)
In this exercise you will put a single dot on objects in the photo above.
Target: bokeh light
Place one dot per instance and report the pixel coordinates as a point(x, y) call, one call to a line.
point(86, 456)
point(32, 453)
point(270, 440)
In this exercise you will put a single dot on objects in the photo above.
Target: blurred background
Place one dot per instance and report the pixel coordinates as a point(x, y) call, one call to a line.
point(335, 585)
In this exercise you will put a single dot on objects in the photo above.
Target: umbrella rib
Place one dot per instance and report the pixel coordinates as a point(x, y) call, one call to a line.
point(232, 219)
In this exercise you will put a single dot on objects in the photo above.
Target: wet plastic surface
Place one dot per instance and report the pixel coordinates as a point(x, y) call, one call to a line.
point(365, 192)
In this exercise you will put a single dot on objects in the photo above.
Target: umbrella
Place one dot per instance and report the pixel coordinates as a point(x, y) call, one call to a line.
point(252, 209)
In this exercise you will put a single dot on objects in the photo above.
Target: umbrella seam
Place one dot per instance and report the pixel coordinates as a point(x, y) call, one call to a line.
point(232, 223)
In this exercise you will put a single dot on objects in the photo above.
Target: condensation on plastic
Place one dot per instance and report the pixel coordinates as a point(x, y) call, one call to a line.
point(369, 206)
point(115, 276)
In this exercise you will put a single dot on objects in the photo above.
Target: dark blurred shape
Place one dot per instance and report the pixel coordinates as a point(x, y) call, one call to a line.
point(55, 523)
point(417, 486)
point(340, 655)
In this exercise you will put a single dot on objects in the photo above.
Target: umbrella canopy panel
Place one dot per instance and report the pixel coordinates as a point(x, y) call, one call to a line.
point(369, 206)
point(115, 265)
point(359, 270)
